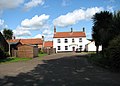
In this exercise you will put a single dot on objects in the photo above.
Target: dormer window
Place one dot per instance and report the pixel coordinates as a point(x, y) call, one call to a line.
point(66, 40)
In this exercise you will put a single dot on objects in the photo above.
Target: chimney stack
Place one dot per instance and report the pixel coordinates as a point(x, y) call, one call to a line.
point(43, 38)
point(71, 29)
point(83, 29)
point(54, 29)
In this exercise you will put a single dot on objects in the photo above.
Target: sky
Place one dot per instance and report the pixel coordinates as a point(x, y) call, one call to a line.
point(34, 18)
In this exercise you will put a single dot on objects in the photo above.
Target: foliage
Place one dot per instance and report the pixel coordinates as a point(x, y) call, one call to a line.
point(102, 28)
point(111, 59)
point(41, 52)
point(113, 53)
point(3, 54)
point(7, 33)
point(99, 60)
point(116, 23)
point(41, 55)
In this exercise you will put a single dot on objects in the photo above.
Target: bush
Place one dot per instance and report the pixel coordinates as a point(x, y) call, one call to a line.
point(3, 54)
point(41, 52)
point(113, 53)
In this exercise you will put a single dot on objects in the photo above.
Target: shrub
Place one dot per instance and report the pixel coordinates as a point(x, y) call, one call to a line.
point(3, 54)
point(41, 52)
point(113, 53)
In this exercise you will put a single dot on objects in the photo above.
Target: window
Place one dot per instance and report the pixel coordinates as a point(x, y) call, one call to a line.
point(66, 47)
point(80, 39)
point(66, 40)
point(58, 47)
point(80, 47)
point(58, 40)
point(73, 40)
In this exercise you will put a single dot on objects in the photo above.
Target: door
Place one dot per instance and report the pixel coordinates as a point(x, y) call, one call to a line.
point(73, 49)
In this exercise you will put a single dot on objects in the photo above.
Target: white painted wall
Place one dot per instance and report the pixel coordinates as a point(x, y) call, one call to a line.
point(70, 45)
point(91, 47)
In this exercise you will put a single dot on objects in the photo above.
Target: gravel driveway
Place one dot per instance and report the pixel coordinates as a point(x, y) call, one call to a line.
point(68, 69)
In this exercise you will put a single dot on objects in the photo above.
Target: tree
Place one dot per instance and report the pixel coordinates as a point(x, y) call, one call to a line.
point(102, 28)
point(96, 38)
point(113, 53)
point(116, 23)
point(7, 33)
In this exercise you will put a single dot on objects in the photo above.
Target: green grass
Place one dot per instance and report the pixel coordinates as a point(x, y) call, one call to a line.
point(14, 59)
point(42, 55)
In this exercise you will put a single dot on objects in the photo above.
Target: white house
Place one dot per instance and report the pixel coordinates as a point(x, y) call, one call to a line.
point(69, 41)
point(91, 46)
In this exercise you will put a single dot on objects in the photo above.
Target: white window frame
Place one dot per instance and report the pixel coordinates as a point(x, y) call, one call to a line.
point(59, 48)
point(66, 47)
point(66, 41)
point(80, 39)
point(58, 41)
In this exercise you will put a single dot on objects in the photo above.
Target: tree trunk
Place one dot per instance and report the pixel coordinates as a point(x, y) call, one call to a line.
point(97, 49)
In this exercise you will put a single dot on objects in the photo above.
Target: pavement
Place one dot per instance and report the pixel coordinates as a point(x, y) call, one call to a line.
point(63, 69)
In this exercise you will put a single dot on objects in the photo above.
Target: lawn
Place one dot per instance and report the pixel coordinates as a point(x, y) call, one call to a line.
point(42, 55)
point(14, 59)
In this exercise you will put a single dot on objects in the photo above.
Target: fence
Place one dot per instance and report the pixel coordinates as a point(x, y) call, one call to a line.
point(49, 50)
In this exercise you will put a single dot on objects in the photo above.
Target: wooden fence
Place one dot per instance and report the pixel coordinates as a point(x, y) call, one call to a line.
point(49, 50)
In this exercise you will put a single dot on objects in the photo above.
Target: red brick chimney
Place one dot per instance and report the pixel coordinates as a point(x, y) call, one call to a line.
point(54, 29)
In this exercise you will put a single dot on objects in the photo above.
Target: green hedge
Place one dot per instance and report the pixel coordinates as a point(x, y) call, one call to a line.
point(113, 53)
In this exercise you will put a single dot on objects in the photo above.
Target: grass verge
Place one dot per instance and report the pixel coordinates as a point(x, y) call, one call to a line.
point(42, 55)
point(14, 59)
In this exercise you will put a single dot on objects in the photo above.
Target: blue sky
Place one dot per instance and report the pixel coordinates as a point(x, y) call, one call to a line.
point(34, 18)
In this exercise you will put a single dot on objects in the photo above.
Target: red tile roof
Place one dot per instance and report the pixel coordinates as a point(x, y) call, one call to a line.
point(69, 34)
point(27, 41)
point(48, 44)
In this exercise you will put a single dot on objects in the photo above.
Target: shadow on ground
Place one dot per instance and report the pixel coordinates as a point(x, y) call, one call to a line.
point(66, 71)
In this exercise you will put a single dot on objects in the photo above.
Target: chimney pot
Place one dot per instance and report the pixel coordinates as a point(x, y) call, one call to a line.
point(54, 29)
point(83, 29)
point(71, 29)
point(43, 38)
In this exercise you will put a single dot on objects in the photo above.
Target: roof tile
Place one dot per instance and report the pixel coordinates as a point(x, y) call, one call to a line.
point(69, 34)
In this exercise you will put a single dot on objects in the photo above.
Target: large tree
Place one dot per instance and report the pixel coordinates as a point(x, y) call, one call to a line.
point(7, 33)
point(116, 23)
point(102, 28)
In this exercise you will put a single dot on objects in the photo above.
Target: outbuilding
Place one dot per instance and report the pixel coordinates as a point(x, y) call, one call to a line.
point(28, 51)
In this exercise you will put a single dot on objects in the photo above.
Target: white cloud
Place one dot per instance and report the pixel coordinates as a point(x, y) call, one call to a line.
point(6, 4)
point(48, 37)
point(38, 36)
point(75, 16)
point(48, 34)
point(36, 22)
point(2, 24)
point(33, 3)
point(20, 31)
point(110, 8)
